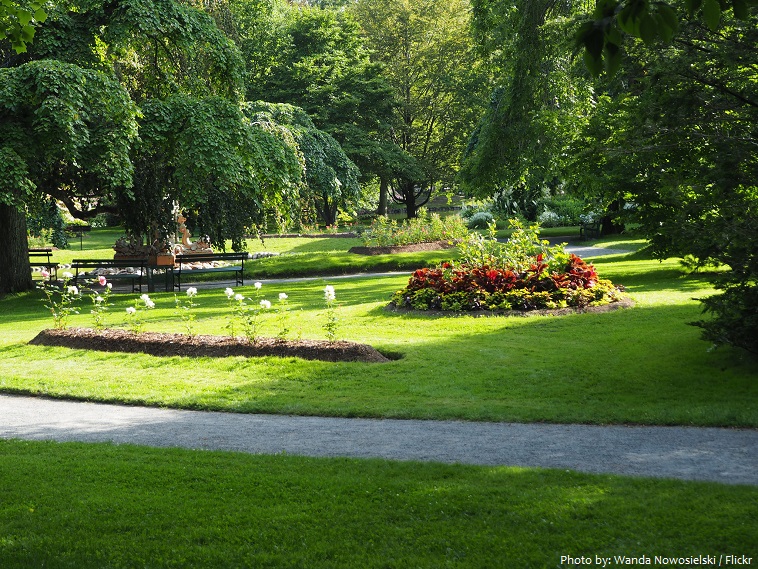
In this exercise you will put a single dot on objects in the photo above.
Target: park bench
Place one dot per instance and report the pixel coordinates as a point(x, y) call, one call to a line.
point(78, 231)
point(589, 230)
point(132, 270)
point(192, 265)
point(42, 258)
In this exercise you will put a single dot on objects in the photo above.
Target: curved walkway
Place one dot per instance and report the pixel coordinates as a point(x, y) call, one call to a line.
point(720, 455)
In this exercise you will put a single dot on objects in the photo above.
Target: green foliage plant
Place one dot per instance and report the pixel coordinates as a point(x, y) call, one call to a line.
point(524, 273)
point(480, 220)
point(59, 300)
point(426, 228)
point(18, 22)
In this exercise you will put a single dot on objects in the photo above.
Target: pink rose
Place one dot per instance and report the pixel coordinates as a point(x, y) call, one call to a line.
point(102, 280)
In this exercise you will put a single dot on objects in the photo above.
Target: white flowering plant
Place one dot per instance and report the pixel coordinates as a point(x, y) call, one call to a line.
point(330, 326)
point(59, 300)
point(247, 312)
point(281, 317)
point(134, 313)
point(184, 308)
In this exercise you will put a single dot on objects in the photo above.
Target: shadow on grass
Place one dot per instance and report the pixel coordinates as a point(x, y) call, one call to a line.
point(642, 365)
point(217, 509)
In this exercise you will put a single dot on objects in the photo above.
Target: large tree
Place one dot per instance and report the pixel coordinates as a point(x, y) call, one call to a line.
point(331, 178)
point(317, 59)
point(66, 133)
point(677, 142)
point(429, 58)
point(69, 129)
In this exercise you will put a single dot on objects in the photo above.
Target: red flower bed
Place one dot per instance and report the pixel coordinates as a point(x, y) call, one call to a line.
point(461, 287)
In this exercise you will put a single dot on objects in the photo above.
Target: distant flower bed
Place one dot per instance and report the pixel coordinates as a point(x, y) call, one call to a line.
point(423, 229)
point(524, 273)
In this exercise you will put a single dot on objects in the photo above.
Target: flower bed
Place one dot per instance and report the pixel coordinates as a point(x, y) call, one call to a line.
point(522, 274)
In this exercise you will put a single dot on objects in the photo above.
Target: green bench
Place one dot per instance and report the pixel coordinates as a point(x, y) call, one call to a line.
point(86, 269)
point(43, 258)
point(589, 230)
point(186, 265)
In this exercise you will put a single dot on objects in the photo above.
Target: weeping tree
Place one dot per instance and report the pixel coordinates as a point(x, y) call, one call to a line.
point(214, 157)
point(65, 132)
point(68, 105)
point(331, 178)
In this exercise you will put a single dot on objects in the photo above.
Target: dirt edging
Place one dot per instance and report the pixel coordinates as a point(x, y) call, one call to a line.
point(166, 345)
point(625, 302)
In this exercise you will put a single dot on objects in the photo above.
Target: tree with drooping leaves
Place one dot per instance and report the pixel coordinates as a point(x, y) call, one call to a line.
point(331, 178)
point(144, 51)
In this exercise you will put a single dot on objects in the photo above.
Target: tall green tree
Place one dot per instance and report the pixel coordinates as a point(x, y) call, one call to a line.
point(68, 109)
point(677, 141)
point(317, 59)
point(429, 58)
point(540, 103)
point(331, 178)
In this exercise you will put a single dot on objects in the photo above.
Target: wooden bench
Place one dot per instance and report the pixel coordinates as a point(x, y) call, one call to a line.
point(84, 267)
point(589, 230)
point(182, 266)
point(36, 257)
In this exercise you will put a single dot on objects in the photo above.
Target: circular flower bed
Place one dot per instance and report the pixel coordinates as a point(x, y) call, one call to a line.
point(522, 274)
point(486, 288)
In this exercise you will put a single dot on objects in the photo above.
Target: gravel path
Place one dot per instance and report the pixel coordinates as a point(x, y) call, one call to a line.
point(721, 455)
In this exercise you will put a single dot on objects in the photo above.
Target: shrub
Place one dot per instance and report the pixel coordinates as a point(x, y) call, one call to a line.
point(735, 314)
point(480, 220)
point(427, 229)
point(524, 273)
point(568, 209)
point(549, 219)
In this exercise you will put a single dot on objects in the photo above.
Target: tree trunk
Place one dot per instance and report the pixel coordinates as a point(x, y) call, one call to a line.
point(383, 196)
point(607, 225)
point(15, 271)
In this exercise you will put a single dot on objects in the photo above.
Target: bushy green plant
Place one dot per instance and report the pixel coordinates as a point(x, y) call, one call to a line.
point(45, 224)
point(566, 208)
point(470, 209)
point(480, 220)
point(735, 319)
point(550, 219)
point(524, 273)
point(60, 300)
point(517, 253)
point(423, 229)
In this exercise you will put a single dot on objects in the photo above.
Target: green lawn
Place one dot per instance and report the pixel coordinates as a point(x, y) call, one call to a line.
point(642, 365)
point(93, 505)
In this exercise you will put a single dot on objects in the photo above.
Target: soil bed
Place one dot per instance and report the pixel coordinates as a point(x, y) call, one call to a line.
point(623, 303)
point(413, 248)
point(157, 344)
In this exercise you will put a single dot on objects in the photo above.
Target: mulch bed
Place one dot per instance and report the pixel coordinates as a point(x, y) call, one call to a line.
point(414, 248)
point(157, 344)
point(623, 303)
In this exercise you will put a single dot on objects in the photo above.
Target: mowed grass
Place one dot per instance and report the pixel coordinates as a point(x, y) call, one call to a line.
point(94, 505)
point(642, 365)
